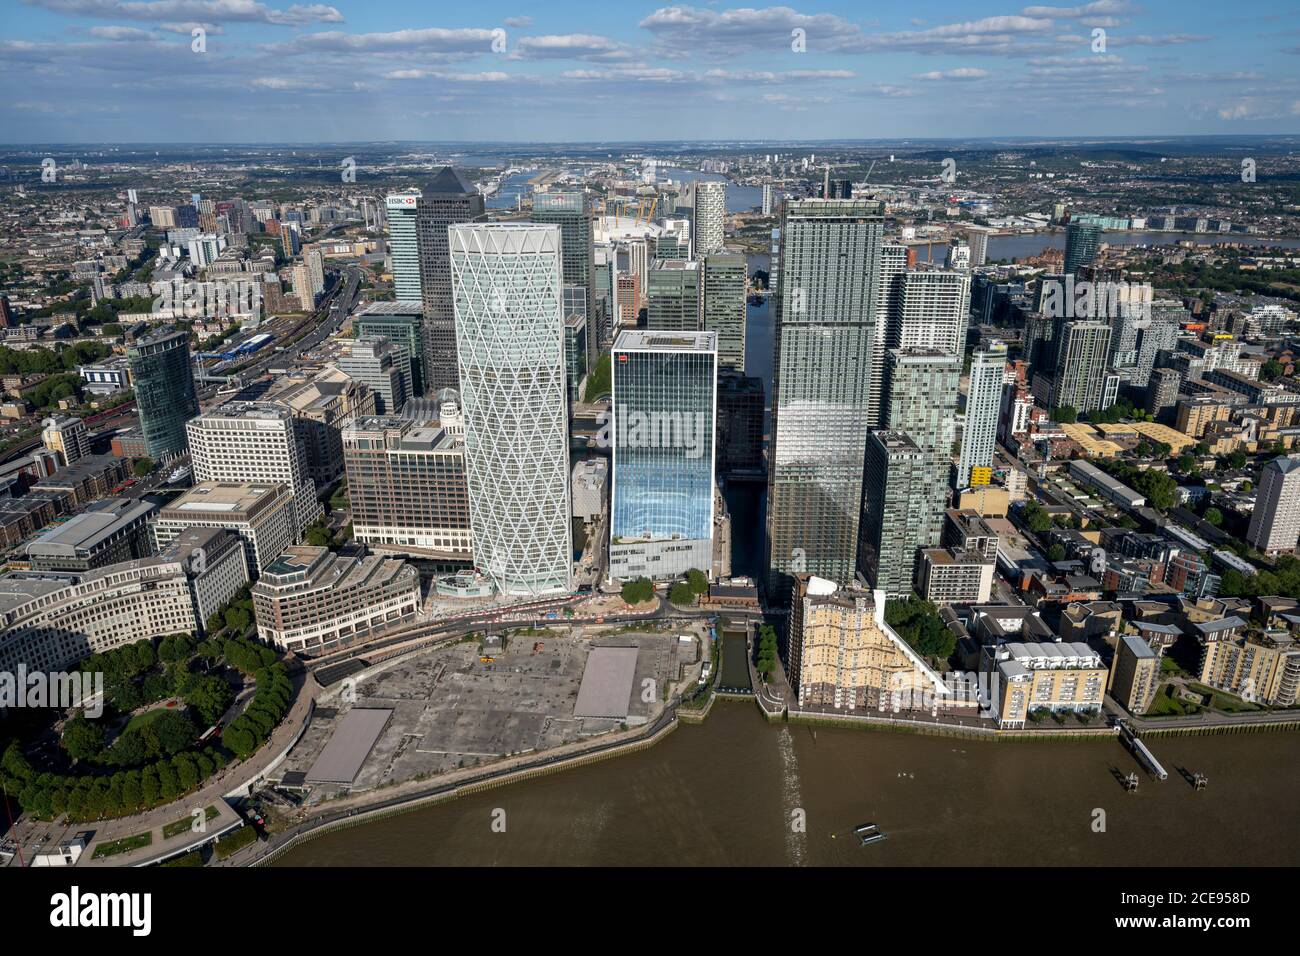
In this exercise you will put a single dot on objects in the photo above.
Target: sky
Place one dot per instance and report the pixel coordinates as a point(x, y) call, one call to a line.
point(242, 71)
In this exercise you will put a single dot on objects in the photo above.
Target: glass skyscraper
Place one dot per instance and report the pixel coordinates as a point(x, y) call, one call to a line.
point(724, 306)
point(1081, 241)
point(446, 200)
point(403, 244)
point(164, 390)
point(665, 400)
point(826, 323)
point(510, 349)
point(572, 213)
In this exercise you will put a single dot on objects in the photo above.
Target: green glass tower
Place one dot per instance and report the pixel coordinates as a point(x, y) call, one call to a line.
point(164, 390)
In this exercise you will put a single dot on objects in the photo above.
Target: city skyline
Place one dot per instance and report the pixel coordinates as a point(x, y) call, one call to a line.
point(505, 73)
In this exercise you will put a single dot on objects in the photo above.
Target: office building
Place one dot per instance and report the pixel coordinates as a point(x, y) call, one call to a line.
point(51, 620)
point(842, 654)
point(725, 307)
point(321, 404)
point(673, 296)
point(254, 443)
point(510, 346)
point(406, 485)
point(829, 266)
point(740, 424)
point(1134, 674)
point(164, 390)
point(106, 532)
point(446, 200)
point(663, 459)
point(896, 506)
point(710, 217)
point(404, 245)
point(983, 406)
point(1275, 522)
point(1082, 240)
point(382, 365)
point(262, 516)
point(68, 436)
point(575, 353)
point(401, 323)
point(571, 211)
point(310, 600)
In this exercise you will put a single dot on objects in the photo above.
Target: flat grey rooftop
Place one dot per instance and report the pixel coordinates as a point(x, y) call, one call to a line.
point(606, 688)
point(341, 760)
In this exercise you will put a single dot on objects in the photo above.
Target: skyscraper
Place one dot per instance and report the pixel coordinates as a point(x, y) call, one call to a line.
point(1081, 241)
point(979, 246)
point(399, 322)
point(922, 406)
point(825, 329)
point(510, 348)
point(894, 508)
point(164, 390)
point(665, 400)
point(404, 244)
point(1082, 352)
point(446, 200)
point(724, 306)
point(983, 402)
point(571, 211)
point(932, 311)
point(1275, 522)
point(894, 261)
point(710, 215)
point(673, 295)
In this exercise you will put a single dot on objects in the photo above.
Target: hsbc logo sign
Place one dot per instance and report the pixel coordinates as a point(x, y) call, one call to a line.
point(401, 202)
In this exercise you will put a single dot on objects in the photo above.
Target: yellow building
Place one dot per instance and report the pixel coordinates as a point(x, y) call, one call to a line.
point(1134, 674)
point(1055, 676)
point(843, 654)
point(1261, 666)
point(988, 501)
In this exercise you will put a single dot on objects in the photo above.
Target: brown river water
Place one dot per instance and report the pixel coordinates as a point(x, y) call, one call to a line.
point(733, 791)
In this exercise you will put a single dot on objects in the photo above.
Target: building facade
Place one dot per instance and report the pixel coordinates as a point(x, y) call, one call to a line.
point(406, 487)
point(827, 287)
point(310, 600)
point(164, 390)
point(510, 345)
point(665, 401)
point(254, 443)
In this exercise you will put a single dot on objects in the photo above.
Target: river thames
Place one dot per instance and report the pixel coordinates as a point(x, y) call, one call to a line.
point(731, 792)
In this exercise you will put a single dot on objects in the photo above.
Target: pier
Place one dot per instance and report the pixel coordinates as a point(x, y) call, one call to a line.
point(1141, 751)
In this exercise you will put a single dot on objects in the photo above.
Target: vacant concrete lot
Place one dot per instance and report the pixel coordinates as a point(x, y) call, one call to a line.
point(453, 710)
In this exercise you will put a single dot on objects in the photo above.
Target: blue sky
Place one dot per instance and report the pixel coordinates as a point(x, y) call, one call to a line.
point(575, 70)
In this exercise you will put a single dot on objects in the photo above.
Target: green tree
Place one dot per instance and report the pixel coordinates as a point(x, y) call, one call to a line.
point(1214, 516)
point(697, 580)
point(1065, 415)
point(82, 739)
point(142, 467)
point(638, 591)
point(681, 593)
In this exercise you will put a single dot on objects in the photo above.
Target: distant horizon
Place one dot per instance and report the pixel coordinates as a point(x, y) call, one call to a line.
point(881, 141)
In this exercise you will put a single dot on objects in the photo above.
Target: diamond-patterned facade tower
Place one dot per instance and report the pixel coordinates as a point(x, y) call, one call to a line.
point(510, 352)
